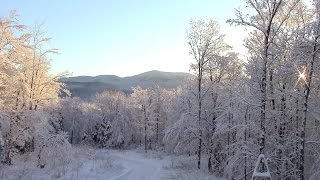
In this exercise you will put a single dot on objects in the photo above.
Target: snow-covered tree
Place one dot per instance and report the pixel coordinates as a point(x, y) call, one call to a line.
point(142, 111)
point(72, 118)
point(263, 22)
point(277, 72)
point(115, 127)
point(25, 83)
point(205, 42)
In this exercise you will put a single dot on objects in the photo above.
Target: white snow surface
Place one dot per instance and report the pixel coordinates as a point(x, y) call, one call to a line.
point(137, 166)
point(109, 164)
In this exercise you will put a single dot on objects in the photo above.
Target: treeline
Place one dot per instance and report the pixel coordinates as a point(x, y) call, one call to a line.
point(116, 120)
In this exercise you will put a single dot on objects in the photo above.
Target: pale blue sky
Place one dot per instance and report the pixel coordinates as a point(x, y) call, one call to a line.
point(122, 37)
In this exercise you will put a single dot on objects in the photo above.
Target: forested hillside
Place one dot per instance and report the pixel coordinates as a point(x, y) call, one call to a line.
point(86, 87)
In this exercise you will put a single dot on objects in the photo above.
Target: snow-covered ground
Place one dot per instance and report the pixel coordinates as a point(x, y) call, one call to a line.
point(109, 164)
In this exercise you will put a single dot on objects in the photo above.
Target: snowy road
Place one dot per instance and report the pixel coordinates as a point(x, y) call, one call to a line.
point(137, 166)
point(103, 164)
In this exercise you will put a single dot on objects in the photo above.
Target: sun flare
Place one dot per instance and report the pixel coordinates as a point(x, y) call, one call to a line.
point(302, 76)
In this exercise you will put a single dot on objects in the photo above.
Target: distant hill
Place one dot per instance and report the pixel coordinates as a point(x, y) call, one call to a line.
point(86, 87)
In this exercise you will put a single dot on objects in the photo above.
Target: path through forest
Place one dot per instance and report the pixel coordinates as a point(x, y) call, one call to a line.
point(137, 166)
point(104, 164)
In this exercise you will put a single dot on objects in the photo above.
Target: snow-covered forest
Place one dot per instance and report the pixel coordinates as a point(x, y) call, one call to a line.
point(232, 110)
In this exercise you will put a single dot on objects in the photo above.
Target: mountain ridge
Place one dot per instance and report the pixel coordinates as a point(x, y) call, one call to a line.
point(86, 87)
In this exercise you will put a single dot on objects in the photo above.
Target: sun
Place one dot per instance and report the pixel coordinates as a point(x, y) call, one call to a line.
point(302, 76)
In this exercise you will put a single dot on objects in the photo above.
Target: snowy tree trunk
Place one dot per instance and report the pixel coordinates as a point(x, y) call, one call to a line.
point(199, 114)
point(157, 113)
point(8, 148)
point(8, 143)
point(71, 137)
point(305, 105)
point(157, 128)
point(263, 96)
point(281, 132)
point(2, 152)
point(145, 129)
point(1, 142)
point(228, 137)
point(302, 133)
point(246, 119)
point(297, 119)
point(214, 102)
